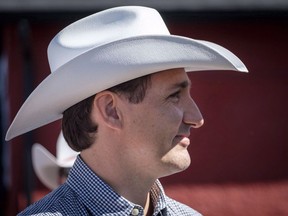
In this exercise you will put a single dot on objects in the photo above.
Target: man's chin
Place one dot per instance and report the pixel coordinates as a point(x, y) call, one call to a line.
point(175, 171)
point(178, 166)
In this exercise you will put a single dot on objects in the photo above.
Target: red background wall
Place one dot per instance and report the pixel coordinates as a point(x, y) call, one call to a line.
point(244, 140)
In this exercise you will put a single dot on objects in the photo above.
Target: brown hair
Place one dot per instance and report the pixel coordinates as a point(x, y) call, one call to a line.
point(78, 129)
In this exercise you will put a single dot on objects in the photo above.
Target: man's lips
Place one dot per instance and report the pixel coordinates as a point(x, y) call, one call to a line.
point(183, 140)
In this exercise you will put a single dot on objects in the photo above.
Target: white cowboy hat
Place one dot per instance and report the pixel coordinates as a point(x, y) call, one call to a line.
point(109, 48)
point(46, 165)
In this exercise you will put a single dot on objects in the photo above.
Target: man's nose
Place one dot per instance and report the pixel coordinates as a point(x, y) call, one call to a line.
point(192, 115)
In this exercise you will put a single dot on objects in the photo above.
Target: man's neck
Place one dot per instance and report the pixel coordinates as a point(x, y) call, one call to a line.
point(133, 186)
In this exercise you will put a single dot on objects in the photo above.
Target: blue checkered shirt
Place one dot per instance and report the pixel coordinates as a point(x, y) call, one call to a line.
point(84, 193)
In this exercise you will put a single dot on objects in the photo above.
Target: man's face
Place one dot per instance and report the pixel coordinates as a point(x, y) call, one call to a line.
point(157, 129)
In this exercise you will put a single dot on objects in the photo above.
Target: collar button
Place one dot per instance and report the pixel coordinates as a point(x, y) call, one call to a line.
point(135, 212)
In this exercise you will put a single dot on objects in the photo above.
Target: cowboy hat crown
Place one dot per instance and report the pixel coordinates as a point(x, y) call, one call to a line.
point(103, 28)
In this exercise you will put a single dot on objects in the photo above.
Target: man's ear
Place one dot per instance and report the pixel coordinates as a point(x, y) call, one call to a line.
point(106, 104)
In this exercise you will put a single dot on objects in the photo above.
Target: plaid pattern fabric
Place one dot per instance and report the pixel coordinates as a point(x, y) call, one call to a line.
point(84, 193)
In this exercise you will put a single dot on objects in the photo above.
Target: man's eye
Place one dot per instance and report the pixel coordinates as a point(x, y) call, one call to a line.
point(175, 96)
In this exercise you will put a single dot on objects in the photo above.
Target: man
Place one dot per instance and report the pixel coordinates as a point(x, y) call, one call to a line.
point(119, 81)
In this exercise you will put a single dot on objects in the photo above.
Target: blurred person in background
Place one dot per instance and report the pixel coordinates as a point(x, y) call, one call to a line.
point(53, 171)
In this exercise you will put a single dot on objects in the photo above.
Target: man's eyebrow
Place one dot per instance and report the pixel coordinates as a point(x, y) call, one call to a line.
point(182, 85)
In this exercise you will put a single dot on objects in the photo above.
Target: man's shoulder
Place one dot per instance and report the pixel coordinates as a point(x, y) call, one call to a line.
point(58, 202)
point(180, 209)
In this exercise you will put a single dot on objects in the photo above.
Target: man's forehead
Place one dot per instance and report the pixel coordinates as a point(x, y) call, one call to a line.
point(174, 77)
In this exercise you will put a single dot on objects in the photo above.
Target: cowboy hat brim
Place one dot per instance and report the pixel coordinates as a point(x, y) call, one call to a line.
point(108, 65)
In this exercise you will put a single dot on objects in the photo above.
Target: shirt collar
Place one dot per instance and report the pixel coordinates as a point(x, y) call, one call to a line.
point(94, 192)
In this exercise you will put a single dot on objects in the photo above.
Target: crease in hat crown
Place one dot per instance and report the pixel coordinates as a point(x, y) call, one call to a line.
point(102, 28)
point(106, 49)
